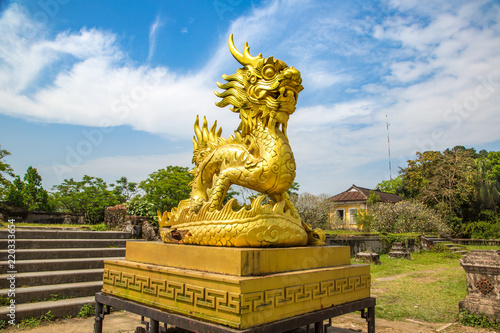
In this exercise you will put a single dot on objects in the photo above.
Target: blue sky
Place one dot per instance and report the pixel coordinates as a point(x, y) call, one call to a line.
point(112, 88)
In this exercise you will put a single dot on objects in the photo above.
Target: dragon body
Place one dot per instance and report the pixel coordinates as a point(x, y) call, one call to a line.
point(259, 157)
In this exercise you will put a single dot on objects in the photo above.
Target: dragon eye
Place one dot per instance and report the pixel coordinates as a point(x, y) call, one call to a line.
point(268, 71)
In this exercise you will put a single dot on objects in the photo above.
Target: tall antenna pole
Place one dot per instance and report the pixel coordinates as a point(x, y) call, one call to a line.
point(388, 147)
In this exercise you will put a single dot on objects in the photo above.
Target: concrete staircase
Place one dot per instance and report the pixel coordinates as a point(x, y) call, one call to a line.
point(55, 270)
point(454, 248)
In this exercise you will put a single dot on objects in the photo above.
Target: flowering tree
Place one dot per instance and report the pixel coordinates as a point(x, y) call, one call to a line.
point(406, 216)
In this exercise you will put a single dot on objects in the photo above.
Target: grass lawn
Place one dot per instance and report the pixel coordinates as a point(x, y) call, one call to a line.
point(426, 288)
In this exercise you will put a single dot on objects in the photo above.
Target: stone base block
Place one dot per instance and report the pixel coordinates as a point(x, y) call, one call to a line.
point(479, 306)
point(482, 270)
point(252, 286)
point(399, 254)
point(367, 257)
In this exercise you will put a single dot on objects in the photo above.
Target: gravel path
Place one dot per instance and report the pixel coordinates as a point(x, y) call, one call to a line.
point(125, 322)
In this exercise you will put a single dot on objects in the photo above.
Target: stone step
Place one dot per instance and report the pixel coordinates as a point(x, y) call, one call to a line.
point(52, 277)
point(63, 234)
point(63, 243)
point(53, 291)
point(25, 254)
point(55, 264)
point(62, 308)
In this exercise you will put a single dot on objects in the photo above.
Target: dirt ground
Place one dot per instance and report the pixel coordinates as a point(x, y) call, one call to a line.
point(125, 322)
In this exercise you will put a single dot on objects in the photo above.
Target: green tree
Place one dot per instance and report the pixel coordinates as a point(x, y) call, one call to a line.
point(488, 182)
point(124, 190)
point(89, 197)
point(294, 189)
point(394, 186)
point(445, 181)
point(246, 195)
point(15, 193)
point(166, 187)
point(452, 184)
point(418, 172)
point(29, 193)
point(35, 196)
point(492, 161)
point(139, 206)
point(364, 219)
point(5, 170)
point(373, 198)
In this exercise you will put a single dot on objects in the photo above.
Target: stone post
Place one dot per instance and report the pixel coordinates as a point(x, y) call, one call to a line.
point(482, 269)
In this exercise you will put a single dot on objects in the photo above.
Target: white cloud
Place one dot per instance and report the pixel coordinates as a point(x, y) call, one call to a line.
point(135, 168)
point(100, 86)
point(153, 33)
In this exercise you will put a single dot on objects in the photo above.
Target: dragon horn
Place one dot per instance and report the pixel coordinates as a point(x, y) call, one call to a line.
point(245, 58)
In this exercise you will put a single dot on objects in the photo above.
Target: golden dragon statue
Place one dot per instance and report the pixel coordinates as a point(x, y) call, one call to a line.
point(264, 93)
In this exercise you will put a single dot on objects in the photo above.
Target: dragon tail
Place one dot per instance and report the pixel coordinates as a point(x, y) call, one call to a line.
point(204, 140)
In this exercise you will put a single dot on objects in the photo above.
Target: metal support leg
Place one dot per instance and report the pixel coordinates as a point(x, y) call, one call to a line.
point(318, 327)
point(154, 326)
point(104, 302)
point(99, 317)
point(371, 320)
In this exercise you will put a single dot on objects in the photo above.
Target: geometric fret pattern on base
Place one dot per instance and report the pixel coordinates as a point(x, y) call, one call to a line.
point(237, 301)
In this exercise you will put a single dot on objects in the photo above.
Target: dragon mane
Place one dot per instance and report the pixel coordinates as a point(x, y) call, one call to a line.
point(252, 91)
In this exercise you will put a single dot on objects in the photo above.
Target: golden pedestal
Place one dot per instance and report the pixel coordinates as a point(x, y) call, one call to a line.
point(237, 287)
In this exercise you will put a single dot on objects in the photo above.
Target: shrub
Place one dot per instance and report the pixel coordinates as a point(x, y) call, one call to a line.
point(469, 319)
point(86, 311)
point(48, 317)
point(99, 227)
point(409, 239)
point(439, 248)
point(364, 219)
point(487, 215)
point(140, 206)
point(4, 301)
point(456, 225)
point(314, 209)
point(406, 216)
point(482, 230)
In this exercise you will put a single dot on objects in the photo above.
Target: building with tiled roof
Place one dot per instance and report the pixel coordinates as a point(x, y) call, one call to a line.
point(348, 203)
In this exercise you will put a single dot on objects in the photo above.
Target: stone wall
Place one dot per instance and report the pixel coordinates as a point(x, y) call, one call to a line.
point(367, 242)
point(54, 218)
point(9, 211)
point(116, 218)
point(358, 243)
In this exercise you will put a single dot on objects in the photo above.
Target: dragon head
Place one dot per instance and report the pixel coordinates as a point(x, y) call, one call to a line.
point(264, 89)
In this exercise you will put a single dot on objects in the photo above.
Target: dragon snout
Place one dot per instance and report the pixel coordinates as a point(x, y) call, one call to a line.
point(292, 74)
